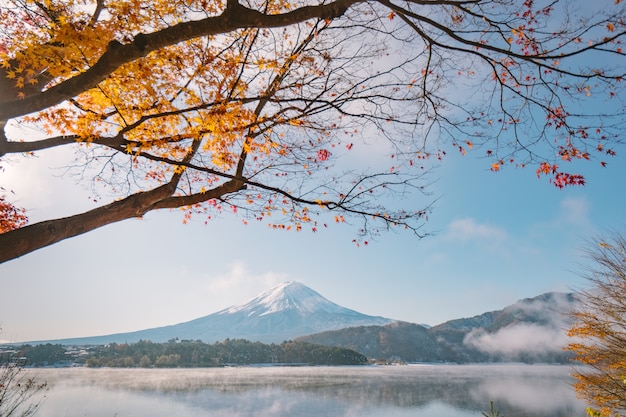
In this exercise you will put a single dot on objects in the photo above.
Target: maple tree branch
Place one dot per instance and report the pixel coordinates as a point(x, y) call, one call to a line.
point(7, 146)
point(24, 240)
point(18, 242)
point(228, 187)
point(456, 3)
point(540, 59)
point(96, 12)
point(348, 203)
point(273, 87)
point(236, 16)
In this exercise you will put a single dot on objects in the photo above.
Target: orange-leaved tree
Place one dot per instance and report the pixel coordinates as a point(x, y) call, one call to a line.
point(256, 106)
point(599, 330)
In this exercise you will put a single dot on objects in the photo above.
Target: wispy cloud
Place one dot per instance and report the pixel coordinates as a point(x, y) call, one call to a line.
point(239, 277)
point(545, 336)
point(519, 338)
point(468, 229)
point(574, 211)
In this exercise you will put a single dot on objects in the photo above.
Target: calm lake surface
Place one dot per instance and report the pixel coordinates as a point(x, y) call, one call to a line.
point(382, 391)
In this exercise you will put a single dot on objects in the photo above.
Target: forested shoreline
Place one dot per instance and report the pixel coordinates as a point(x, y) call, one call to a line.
point(186, 353)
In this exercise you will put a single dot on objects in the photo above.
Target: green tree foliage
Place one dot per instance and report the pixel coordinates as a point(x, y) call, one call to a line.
point(228, 352)
point(44, 355)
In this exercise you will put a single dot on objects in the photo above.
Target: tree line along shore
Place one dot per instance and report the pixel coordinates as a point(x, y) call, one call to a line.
point(181, 353)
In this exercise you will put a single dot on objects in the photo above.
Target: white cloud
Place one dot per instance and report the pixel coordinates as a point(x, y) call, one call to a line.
point(519, 338)
point(239, 279)
point(468, 229)
point(575, 211)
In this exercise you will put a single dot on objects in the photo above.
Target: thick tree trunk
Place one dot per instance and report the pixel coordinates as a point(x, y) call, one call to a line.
point(27, 239)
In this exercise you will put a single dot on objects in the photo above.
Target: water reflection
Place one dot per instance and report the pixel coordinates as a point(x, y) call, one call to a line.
point(415, 390)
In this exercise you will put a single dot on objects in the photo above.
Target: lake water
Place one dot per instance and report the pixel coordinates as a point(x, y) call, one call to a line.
point(381, 391)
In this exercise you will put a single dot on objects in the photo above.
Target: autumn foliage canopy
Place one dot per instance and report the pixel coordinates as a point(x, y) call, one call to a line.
point(275, 109)
point(599, 330)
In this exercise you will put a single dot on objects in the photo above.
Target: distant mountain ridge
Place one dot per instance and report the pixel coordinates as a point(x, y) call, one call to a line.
point(540, 309)
point(284, 312)
point(531, 330)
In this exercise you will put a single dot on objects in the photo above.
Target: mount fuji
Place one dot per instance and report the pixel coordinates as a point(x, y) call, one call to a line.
point(284, 312)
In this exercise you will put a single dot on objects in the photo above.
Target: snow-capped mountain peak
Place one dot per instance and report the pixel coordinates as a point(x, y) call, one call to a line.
point(291, 295)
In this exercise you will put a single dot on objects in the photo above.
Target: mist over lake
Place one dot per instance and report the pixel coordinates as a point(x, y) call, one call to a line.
point(384, 391)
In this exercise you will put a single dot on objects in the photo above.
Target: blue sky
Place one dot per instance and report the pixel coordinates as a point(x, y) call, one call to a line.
point(497, 238)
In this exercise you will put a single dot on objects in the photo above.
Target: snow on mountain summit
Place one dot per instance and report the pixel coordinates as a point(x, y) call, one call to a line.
point(282, 313)
point(291, 295)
